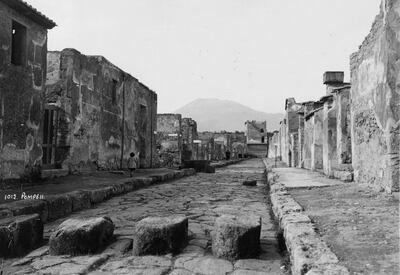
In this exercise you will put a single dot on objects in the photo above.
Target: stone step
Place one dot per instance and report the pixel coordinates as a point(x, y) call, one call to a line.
point(160, 235)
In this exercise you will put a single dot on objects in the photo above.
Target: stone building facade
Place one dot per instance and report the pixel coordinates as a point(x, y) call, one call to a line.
point(256, 138)
point(23, 54)
point(375, 102)
point(169, 142)
point(189, 136)
point(95, 114)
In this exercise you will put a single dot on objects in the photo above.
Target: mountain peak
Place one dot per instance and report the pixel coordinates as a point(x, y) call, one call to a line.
point(214, 114)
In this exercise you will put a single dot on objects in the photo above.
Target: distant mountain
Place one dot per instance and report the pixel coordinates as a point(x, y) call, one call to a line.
point(217, 115)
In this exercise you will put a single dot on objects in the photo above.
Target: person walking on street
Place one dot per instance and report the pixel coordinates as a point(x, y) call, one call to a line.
point(132, 163)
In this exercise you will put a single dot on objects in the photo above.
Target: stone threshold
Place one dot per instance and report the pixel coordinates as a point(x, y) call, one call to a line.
point(309, 254)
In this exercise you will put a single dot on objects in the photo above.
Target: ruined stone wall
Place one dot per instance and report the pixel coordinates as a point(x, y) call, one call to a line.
point(284, 142)
point(329, 136)
point(294, 149)
point(21, 97)
point(215, 145)
point(343, 127)
point(256, 131)
point(189, 134)
point(308, 142)
point(375, 107)
point(169, 140)
point(300, 135)
point(274, 145)
point(103, 113)
point(317, 140)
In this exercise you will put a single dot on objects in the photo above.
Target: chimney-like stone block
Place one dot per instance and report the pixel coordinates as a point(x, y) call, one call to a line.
point(333, 77)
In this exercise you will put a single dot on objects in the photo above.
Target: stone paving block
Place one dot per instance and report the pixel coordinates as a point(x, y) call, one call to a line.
point(250, 183)
point(26, 207)
point(160, 235)
point(58, 206)
point(236, 237)
point(19, 235)
point(328, 269)
point(80, 200)
point(208, 266)
point(81, 236)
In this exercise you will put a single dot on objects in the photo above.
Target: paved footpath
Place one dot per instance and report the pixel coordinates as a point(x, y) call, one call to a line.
point(360, 225)
point(202, 198)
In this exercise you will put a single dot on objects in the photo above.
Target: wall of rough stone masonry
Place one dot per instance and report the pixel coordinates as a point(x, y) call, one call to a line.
point(294, 148)
point(256, 131)
point(317, 140)
point(103, 112)
point(300, 142)
point(21, 98)
point(274, 145)
point(169, 140)
point(375, 103)
point(215, 145)
point(343, 126)
point(308, 142)
point(291, 121)
point(189, 134)
point(329, 136)
point(284, 143)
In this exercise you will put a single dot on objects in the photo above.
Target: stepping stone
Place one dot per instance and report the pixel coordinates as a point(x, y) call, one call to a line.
point(250, 183)
point(236, 237)
point(81, 236)
point(19, 235)
point(160, 235)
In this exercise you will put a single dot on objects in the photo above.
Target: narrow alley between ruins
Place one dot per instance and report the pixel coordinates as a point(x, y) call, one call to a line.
point(201, 198)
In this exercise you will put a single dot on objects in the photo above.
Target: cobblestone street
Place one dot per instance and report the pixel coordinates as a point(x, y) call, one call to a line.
point(201, 198)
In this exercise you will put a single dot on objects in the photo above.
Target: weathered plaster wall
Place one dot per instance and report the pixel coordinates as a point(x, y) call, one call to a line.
point(189, 134)
point(256, 131)
point(375, 107)
point(169, 140)
point(308, 142)
point(103, 113)
point(316, 146)
point(21, 97)
point(294, 149)
point(343, 126)
point(329, 136)
point(300, 135)
point(274, 145)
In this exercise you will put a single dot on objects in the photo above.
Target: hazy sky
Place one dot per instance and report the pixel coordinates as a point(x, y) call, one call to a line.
point(256, 52)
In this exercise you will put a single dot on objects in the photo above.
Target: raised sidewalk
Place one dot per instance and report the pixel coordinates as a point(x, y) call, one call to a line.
point(332, 227)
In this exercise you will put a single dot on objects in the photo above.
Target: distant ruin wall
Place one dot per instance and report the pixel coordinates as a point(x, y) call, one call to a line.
point(169, 140)
point(375, 104)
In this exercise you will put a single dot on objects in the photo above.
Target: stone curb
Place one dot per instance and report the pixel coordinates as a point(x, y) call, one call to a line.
point(53, 207)
point(309, 254)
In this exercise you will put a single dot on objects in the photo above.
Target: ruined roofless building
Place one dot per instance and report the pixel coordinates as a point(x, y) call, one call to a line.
point(169, 140)
point(375, 102)
point(95, 114)
point(23, 54)
point(256, 138)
